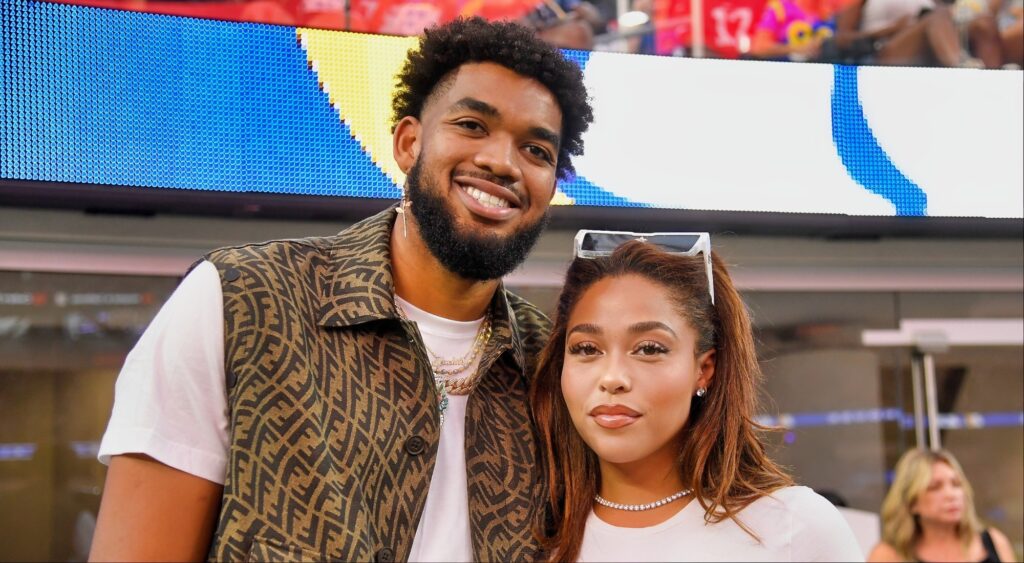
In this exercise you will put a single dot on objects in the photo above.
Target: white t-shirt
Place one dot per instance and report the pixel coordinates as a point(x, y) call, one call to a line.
point(443, 533)
point(794, 524)
point(170, 403)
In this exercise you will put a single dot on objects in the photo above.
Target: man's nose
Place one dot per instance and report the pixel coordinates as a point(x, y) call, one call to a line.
point(499, 157)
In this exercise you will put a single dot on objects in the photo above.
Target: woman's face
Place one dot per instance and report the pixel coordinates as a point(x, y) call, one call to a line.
point(943, 500)
point(630, 370)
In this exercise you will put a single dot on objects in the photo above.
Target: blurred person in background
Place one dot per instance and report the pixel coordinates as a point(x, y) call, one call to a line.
point(643, 44)
point(399, 17)
point(978, 24)
point(550, 12)
point(1010, 20)
point(928, 515)
point(644, 399)
point(791, 30)
point(913, 33)
point(568, 24)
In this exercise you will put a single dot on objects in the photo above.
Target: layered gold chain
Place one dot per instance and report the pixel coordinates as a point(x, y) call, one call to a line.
point(446, 368)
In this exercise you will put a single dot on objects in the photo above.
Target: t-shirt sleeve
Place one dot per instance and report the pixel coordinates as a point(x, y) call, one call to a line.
point(170, 398)
point(820, 532)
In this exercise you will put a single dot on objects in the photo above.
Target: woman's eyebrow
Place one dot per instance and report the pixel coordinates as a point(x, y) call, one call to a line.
point(585, 328)
point(650, 325)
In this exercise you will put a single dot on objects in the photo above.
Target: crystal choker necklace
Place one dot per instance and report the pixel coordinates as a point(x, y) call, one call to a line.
point(637, 507)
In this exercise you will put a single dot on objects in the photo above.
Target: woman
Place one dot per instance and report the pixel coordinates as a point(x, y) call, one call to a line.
point(644, 400)
point(929, 515)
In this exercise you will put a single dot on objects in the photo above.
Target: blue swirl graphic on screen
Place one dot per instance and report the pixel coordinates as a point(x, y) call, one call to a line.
point(579, 57)
point(860, 152)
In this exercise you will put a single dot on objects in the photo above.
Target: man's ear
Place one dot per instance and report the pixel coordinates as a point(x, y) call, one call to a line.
point(406, 142)
point(706, 367)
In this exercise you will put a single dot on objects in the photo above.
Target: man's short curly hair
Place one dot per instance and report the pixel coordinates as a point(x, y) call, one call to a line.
point(445, 48)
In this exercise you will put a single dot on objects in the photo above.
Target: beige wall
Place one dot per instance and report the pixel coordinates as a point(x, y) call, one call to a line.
point(848, 459)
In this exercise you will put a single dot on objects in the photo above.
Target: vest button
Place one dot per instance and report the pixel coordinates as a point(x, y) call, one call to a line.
point(415, 445)
point(386, 555)
point(231, 274)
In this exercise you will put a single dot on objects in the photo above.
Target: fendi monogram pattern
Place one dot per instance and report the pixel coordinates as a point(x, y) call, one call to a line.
point(333, 409)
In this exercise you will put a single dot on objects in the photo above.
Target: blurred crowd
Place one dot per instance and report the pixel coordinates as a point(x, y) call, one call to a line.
point(958, 33)
point(949, 33)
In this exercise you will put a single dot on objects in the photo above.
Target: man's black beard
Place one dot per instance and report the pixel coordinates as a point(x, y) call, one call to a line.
point(484, 257)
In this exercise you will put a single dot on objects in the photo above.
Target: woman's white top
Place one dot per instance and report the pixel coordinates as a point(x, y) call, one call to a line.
point(793, 524)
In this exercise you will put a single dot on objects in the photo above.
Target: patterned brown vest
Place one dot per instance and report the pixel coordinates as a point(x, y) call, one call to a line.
point(334, 415)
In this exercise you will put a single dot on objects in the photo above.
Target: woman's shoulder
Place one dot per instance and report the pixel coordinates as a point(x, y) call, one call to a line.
point(801, 499)
point(802, 506)
point(884, 553)
point(787, 507)
point(1002, 543)
point(817, 530)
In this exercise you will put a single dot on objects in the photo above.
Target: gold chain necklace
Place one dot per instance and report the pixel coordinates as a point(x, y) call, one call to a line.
point(444, 367)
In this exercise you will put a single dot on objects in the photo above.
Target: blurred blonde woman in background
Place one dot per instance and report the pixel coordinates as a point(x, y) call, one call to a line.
point(928, 515)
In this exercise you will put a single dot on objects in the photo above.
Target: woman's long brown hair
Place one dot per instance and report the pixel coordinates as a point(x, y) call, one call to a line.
point(721, 457)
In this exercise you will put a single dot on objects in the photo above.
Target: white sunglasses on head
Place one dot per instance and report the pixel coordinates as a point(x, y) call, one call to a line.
point(598, 244)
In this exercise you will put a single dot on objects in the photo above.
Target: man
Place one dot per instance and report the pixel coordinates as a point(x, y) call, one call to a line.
point(363, 396)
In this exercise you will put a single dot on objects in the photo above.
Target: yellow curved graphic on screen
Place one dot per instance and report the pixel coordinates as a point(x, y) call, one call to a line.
point(560, 198)
point(357, 72)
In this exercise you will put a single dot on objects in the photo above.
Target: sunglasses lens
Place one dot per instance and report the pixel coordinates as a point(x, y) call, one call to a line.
point(606, 243)
point(683, 244)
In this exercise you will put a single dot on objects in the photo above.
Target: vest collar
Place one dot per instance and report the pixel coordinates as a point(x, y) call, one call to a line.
point(359, 287)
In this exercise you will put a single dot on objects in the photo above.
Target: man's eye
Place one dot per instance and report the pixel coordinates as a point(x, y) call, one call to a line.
point(470, 125)
point(539, 153)
point(584, 349)
point(650, 349)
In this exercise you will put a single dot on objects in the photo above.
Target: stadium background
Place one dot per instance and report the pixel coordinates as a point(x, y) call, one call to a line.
point(847, 198)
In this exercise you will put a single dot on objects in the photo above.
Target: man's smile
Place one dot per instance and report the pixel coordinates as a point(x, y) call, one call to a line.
point(487, 199)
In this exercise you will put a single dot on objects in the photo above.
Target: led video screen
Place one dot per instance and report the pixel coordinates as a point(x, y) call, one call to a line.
point(106, 97)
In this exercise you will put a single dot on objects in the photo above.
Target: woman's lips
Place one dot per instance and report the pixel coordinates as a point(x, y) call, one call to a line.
point(614, 416)
point(614, 420)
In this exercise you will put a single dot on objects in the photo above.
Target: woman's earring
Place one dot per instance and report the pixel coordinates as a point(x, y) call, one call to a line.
point(401, 209)
point(701, 391)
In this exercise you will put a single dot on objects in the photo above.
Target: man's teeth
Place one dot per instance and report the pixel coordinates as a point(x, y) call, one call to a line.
point(486, 198)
